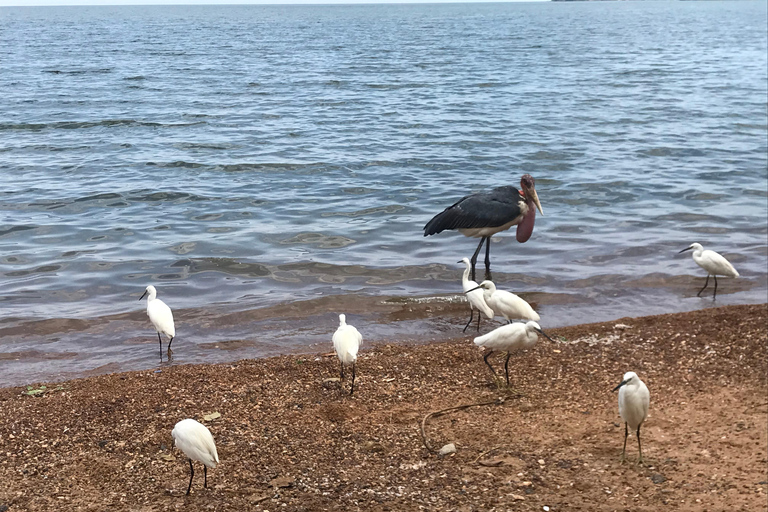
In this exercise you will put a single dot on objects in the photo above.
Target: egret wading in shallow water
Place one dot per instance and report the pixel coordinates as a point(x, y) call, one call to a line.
point(507, 304)
point(634, 399)
point(713, 263)
point(346, 343)
point(509, 338)
point(484, 214)
point(475, 297)
point(161, 317)
point(196, 441)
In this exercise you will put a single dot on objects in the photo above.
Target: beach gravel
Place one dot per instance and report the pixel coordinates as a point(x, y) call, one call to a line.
point(290, 439)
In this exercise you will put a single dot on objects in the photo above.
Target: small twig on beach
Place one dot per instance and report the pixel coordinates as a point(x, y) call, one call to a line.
point(441, 412)
point(486, 452)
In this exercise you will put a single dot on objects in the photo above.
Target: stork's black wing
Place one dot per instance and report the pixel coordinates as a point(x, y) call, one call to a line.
point(483, 210)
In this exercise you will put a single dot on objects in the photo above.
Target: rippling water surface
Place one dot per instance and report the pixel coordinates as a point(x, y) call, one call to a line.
point(269, 166)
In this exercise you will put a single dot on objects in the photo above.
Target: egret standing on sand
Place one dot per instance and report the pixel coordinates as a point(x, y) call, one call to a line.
point(634, 399)
point(482, 215)
point(509, 338)
point(161, 317)
point(713, 263)
point(346, 342)
point(475, 298)
point(196, 441)
point(507, 304)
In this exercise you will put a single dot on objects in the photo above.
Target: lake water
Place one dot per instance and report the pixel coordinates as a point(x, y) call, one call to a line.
point(267, 167)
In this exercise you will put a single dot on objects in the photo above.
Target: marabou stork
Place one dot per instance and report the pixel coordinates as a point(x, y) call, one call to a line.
point(484, 214)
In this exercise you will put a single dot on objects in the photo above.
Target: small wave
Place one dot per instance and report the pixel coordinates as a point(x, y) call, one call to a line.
point(178, 163)
point(319, 239)
point(75, 125)
point(14, 229)
point(97, 71)
point(44, 269)
point(392, 208)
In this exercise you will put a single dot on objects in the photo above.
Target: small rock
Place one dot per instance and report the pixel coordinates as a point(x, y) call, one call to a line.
point(541, 462)
point(331, 382)
point(282, 481)
point(622, 327)
point(447, 450)
point(545, 508)
point(517, 497)
point(658, 478)
point(373, 447)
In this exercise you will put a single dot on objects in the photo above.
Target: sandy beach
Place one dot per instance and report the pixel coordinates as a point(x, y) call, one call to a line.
point(289, 439)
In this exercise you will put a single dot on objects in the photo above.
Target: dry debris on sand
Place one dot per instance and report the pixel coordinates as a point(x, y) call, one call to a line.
point(290, 440)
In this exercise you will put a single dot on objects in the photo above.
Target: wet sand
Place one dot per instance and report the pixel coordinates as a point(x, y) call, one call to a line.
point(290, 440)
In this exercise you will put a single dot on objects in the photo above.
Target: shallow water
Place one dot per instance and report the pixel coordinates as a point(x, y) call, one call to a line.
point(267, 167)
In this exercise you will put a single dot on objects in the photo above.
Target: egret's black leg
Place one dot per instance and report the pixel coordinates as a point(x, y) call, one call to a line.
point(169, 347)
point(352, 390)
point(485, 358)
point(639, 448)
point(471, 316)
point(161, 346)
point(488, 259)
point(705, 286)
point(191, 474)
point(342, 369)
point(506, 368)
point(478, 321)
point(626, 433)
point(474, 256)
point(205, 472)
point(715, 294)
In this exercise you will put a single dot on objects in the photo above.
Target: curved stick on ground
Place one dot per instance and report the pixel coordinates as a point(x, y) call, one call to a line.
point(429, 448)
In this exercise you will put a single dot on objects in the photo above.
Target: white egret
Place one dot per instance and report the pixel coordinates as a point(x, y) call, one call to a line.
point(484, 214)
point(346, 342)
point(713, 263)
point(506, 304)
point(509, 338)
point(161, 317)
point(196, 441)
point(475, 297)
point(634, 399)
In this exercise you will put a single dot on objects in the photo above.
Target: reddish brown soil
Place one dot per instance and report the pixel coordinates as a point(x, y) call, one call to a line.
point(287, 441)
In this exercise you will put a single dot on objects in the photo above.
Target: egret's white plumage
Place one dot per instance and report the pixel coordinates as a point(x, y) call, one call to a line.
point(509, 338)
point(346, 343)
point(196, 441)
point(474, 296)
point(161, 317)
point(634, 399)
point(507, 304)
point(714, 263)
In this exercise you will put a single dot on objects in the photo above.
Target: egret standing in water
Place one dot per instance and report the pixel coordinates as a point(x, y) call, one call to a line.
point(484, 214)
point(161, 317)
point(509, 338)
point(196, 441)
point(634, 399)
point(507, 304)
point(346, 343)
point(713, 263)
point(475, 298)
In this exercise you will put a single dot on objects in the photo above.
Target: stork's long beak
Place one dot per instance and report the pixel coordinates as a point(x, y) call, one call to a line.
point(621, 384)
point(531, 193)
point(143, 294)
point(545, 335)
point(686, 249)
